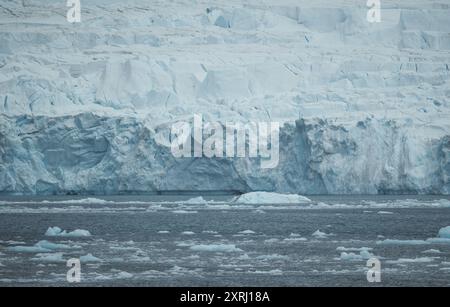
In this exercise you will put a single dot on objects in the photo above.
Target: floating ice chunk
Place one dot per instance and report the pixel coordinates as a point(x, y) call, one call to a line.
point(272, 240)
point(254, 198)
point(184, 211)
point(385, 212)
point(295, 239)
point(196, 201)
point(44, 257)
point(28, 249)
point(53, 246)
point(80, 201)
point(402, 242)
point(12, 242)
point(41, 247)
point(353, 249)
point(432, 251)
point(443, 236)
point(270, 272)
point(320, 235)
point(411, 260)
point(123, 275)
point(363, 255)
point(219, 248)
point(188, 233)
point(444, 232)
point(273, 257)
point(444, 202)
point(89, 258)
point(438, 240)
point(56, 231)
point(184, 244)
point(247, 232)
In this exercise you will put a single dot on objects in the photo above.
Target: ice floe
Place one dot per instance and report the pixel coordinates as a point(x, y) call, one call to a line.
point(271, 198)
point(431, 251)
point(247, 232)
point(188, 233)
point(210, 232)
point(385, 212)
point(320, 235)
point(363, 255)
point(220, 248)
point(184, 211)
point(272, 257)
point(402, 242)
point(352, 249)
point(89, 258)
point(411, 260)
point(196, 201)
point(58, 232)
point(41, 247)
point(48, 257)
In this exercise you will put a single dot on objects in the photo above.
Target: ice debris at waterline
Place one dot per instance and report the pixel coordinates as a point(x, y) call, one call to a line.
point(363, 108)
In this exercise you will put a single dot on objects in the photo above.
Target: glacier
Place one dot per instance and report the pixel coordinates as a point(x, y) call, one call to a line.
point(364, 108)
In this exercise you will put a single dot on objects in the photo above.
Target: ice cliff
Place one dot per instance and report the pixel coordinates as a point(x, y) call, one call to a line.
point(84, 108)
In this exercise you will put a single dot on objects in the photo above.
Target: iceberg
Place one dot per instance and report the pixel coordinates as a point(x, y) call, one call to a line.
point(255, 198)
point(56, 231)
point(218, 248)
point(444, 232)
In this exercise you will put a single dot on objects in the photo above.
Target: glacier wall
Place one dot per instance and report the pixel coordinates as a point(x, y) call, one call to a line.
point(105, 155)
point(364, 108)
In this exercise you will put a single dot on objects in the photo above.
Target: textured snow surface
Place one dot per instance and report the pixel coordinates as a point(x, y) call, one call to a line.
point(86, 107)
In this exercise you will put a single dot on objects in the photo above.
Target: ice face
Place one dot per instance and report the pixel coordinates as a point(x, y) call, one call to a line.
point(364, 107)
point(113, 154)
